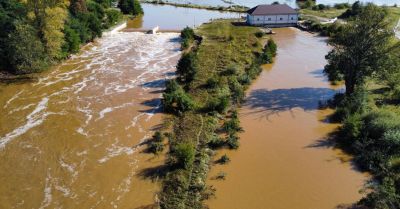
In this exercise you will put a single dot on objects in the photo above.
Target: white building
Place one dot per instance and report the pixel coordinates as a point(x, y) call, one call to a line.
point(275, 15)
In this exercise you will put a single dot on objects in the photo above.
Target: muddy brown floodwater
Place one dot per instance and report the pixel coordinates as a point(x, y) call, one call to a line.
point(70, 139)
point(284, 161)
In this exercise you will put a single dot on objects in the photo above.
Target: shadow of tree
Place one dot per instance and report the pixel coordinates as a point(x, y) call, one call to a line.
point(155, 105)
point(279, 100)
point(154, 173)
point(159, 83)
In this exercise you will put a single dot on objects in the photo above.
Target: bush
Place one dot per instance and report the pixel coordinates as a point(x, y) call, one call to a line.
point(232, 70)
point(186, 67)
point(113, 16)
point(232, 141)
point(212, 83)
point(272, 47)
point(26, 51)
point(187, 33)
point(224, 159)
point(342, 6)
point(216, 142)
point(259, 34)
point(131, 7)
point(184, 155)
point(348, 105)
point(156, 144)
point(218, 104)
point(237, 91)
point(232, 126)
point(72, 41)
point(175, 99)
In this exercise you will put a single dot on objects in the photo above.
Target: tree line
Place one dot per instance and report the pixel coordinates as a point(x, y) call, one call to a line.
point(366, 57)
point(38, 33)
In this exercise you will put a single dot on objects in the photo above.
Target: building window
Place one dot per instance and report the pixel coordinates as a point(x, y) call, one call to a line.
point(281, 18)
point(258, 19)
point(292, 18)
point(269, 19)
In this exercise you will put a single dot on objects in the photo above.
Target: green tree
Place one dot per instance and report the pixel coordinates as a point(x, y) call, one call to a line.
point(131, 7)
point(11, 12)
point(26, 51)
point(361, 48)
point(272, 47)
point(72, 41)
point(186, 67)
point(78, 6)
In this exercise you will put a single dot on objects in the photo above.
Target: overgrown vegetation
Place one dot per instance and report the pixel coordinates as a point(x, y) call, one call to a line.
point(131, 7)
point(36, 34)
point(187, 36)
point(366, 57)
point(211, 76)
point(315, 16)
point(156, 144)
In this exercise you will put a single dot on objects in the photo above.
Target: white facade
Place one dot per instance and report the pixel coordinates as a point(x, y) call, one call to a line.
point(281, 19)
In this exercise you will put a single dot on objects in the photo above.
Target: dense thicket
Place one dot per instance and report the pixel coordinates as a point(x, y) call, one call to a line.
point(361, 49)
point(131, 7)
point(35, 33)
point(365, 53)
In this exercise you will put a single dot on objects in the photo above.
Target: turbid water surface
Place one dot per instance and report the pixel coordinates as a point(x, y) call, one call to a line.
point(285, 160)
point(70, 138)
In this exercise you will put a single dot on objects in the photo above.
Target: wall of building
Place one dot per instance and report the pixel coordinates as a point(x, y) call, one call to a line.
point(272, 19)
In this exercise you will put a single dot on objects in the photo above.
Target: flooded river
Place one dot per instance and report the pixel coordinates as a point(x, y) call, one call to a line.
point(284, 160)
point(69, 139)
point(175, 18)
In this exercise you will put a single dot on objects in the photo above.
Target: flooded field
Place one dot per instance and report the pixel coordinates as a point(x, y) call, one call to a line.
point(252, 3)
point(284, 160)
point(175, 18)
point(70, 138)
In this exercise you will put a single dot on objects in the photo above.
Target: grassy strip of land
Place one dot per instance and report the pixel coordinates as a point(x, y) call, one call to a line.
point(232, 8)
point(326, 13)
point(218, 64)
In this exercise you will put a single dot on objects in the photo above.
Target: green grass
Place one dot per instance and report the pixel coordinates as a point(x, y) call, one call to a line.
point(394, 15)
point(222, 45)
point(329, 13)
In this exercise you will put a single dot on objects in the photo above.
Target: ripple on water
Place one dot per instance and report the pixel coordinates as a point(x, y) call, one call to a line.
point(99, 99)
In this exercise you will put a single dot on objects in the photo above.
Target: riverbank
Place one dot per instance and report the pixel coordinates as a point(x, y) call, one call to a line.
point(203, 99)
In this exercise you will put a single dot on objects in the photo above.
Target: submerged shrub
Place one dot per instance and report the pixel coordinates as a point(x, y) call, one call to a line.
point(232, 141)
point(224, 159)
point(156, 144)
point(232, 125)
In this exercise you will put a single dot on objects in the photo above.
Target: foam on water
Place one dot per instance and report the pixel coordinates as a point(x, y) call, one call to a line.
point(100, 97)
point(35, 118)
